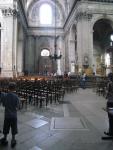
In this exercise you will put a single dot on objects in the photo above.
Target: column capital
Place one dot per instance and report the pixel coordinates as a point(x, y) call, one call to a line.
point(8, 12)
point(83, 15)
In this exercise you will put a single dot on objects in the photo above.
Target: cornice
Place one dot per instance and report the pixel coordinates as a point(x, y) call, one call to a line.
point(43, 31)
point(45, 28)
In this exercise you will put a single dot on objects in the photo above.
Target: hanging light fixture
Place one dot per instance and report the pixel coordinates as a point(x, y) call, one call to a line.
point(55, 56)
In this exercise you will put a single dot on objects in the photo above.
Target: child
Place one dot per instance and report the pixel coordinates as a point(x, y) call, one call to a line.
point(11, 103)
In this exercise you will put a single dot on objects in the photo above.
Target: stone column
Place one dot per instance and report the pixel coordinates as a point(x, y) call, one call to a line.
point(20, 57)
point(20, 51)
point(8, 52)
point(111, 61)
point(0, 40)
point(72, 56)
point(66, 56)
point(14, 46)
point(60, 63)
point(35, 41)
point(29, 55)
point(84, 38)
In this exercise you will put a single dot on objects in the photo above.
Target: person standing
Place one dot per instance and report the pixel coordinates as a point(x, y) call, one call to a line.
point(83, 81)
point(0, 104)
point(11, 103)
point(109, 108)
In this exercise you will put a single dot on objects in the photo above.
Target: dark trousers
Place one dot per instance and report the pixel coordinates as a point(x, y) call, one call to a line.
point(10, 123)
point(110, 114)
point(83, 83)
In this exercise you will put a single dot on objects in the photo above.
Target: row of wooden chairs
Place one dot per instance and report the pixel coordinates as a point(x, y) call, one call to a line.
point(101, 88)
point(37, 92)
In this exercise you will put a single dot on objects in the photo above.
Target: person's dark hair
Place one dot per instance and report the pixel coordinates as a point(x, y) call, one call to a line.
point(12, 86)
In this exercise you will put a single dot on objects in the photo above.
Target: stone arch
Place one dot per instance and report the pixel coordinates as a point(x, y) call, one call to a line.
point(96, 18)
point(58, 5)
point(57, 2)
point(102, 30)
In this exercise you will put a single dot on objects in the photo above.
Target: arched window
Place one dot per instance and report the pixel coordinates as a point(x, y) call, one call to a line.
point(45, 52)
point(45, 14)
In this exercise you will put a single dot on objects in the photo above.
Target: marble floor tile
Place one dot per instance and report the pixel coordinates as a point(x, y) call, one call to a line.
point(36, 123)
point(35, 148)
point(68, 123)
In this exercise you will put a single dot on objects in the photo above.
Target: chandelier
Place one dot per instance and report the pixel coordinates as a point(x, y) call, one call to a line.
point(55, 56)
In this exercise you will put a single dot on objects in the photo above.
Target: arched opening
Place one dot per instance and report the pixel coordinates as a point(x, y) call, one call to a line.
point(44, 62)
point(101, 41)
point(45, 52)
point(45, 14)
point(41, 13)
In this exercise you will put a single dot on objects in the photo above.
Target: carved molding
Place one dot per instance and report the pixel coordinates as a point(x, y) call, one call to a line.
point(7, 12)
point(83, 15)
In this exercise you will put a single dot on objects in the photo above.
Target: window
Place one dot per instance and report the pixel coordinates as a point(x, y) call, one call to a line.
point(107, 59)
point(45, 13)
point(45, 52)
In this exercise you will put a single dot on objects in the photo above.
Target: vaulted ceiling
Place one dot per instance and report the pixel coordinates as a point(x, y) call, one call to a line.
point(29, 2)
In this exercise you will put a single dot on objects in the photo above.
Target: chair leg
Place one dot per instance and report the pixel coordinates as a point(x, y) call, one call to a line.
point(40, 103)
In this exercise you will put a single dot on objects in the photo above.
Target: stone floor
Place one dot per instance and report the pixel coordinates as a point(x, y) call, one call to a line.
point(76, 124)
